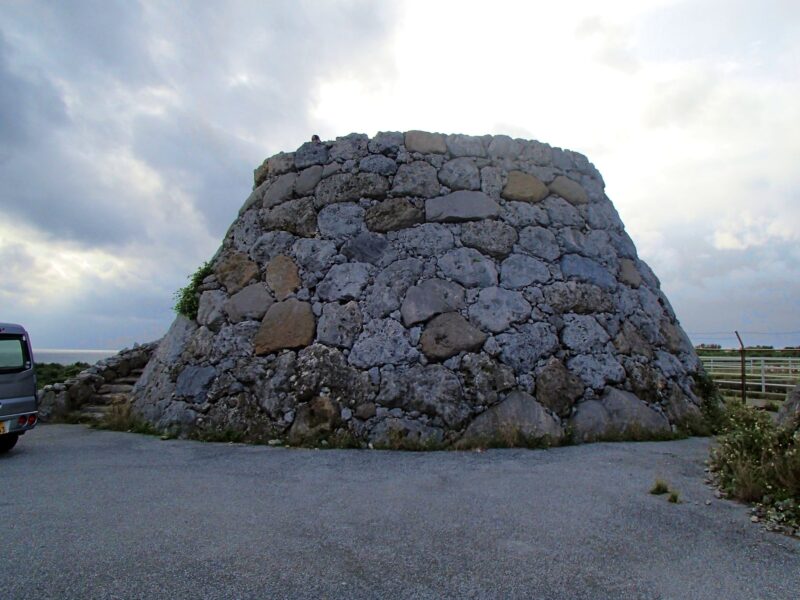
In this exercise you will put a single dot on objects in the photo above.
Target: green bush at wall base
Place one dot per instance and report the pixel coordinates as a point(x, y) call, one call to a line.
point(758, 461)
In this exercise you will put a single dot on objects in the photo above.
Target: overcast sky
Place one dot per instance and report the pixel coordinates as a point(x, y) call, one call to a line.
point(129, 132)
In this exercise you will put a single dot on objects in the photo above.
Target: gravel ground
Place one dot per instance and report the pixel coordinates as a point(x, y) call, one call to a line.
point(95, 514)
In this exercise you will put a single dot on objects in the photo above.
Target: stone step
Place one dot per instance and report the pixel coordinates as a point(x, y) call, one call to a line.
point(109, 399)
point(93, 412)
point(129, 380)
point(115, 388)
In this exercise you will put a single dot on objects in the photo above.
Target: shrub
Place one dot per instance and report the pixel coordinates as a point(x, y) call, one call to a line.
point(712, 405)
point(674, 497)
point(757, 461)
point(187, 299)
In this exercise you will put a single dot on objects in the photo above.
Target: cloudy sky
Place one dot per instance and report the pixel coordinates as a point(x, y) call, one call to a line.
point(129, 132)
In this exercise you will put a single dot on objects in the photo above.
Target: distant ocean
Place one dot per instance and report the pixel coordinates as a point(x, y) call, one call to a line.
point(67, 357)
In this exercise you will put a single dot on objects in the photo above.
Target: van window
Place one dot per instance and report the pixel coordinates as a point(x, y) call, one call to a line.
point(13, 355)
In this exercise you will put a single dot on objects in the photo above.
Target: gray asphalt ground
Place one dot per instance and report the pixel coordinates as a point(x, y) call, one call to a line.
point(95, 514)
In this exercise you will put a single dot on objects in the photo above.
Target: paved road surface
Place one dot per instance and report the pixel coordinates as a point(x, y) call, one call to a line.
point(94, 514)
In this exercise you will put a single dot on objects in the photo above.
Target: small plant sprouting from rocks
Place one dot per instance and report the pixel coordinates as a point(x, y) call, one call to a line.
point(674, 497)
point(659, 487)
point(187, 299)
point(396, 440)
point(231, 436)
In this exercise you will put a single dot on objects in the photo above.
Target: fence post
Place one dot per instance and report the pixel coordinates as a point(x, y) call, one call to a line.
point(763, 377)
point(744, 371)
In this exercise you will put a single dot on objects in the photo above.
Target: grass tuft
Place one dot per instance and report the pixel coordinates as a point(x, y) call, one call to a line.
point(222, 435)
point(674, 497)
point(659, 487)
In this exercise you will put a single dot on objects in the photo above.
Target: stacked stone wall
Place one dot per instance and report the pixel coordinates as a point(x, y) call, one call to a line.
point(426, 289)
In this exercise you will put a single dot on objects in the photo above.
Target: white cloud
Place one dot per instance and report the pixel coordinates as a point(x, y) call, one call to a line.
point(133, 138)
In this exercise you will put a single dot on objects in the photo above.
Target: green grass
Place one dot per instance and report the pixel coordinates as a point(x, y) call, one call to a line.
point(659, 487)
point(120, 418)
point(224, 435)
point(400, 442)
point(50, 373)
point(187, 299)
point(757, 461)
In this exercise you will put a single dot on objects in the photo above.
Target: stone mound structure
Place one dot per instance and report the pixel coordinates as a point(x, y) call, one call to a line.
point(425, 290)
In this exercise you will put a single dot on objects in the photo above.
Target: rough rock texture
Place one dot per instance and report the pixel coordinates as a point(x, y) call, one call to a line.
point(517, 420)
point(287, 324)
point(617, 415)
point(789, 415)
point(100, 383)
point(425, 290)
point(449, 334)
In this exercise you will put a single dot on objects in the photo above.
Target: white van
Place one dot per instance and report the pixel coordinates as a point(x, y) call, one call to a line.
point(18, 405)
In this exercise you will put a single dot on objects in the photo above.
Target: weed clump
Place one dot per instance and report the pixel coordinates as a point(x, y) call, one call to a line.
point(758, 461)
point(712, 405)
point(674, 497)
point(231, 436)
point(659, 487)
point(121, 418)
point(187, 299)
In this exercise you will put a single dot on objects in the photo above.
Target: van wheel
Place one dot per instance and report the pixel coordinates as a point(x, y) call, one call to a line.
point(8, 441)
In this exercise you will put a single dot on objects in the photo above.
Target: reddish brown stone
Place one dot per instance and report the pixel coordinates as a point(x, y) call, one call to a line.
point(287, 324)
point(236, 271)
point(569, 190)
point(283, 277)
point(524, 188)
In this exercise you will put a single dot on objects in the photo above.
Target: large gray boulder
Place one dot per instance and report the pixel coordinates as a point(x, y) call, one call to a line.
point(519, 420)
point(448, 334)
point(469, 268)
point(430, 298)
point(432, 390)
point(618, 415)
point(461, 206)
